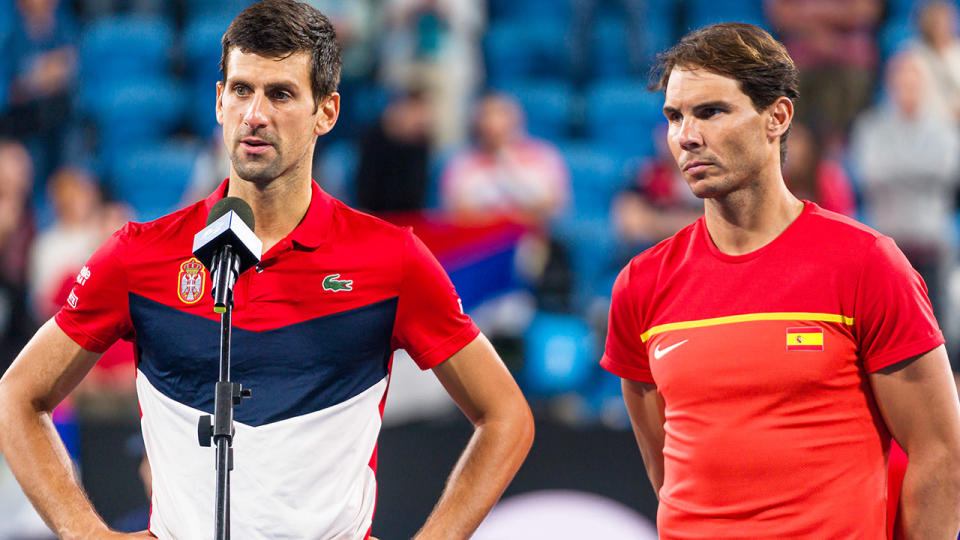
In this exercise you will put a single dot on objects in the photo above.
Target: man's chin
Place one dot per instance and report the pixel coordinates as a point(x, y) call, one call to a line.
point(258, 174)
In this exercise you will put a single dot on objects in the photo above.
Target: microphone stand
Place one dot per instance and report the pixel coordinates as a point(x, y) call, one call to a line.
point(227, 394)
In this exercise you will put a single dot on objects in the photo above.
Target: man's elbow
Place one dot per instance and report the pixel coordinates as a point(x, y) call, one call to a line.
point(515, 423)
point(950, 465)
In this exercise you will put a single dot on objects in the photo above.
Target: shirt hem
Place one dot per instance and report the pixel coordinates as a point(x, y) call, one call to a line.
point(909, 350)
point(626, 372)
point(448, 348)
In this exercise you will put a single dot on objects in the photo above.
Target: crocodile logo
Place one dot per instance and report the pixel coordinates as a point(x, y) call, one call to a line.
point(335, 284)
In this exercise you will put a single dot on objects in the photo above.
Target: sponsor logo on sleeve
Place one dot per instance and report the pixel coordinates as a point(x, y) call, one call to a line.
point(72, 300)
point(83, 276)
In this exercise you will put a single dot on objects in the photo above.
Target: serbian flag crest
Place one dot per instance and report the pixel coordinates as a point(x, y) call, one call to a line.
point(805, 338)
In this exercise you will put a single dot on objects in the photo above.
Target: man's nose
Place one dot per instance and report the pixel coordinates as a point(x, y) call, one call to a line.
point(254, 116)
point(688, 135)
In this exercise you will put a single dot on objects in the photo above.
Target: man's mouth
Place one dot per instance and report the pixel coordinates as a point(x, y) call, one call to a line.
point(697, 166)
point(254, 145)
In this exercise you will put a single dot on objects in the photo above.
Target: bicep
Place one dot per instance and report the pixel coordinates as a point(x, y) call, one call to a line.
point(478, 381)
point(918, 401)
point(48, 368)
point(645, 406)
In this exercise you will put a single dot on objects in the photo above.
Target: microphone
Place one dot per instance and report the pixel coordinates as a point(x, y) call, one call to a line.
point(227, 247)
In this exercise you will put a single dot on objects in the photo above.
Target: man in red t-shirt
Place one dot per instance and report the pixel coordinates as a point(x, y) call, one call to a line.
point(770, 349)
point(315, 325)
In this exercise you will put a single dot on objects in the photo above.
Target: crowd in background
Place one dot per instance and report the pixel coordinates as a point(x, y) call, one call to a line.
point(471, 112)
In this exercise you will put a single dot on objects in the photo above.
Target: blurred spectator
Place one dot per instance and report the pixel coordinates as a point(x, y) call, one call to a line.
point(658, 203)
point(41, 51)
point(834, 46)
point(357, 23)
point(59, 252)
point(508, 174)
point(392, 171)
point(505, 172)
point(435, 43)
point(939, 54)
point(16, 232)
point(908, 160)
point(813, 176)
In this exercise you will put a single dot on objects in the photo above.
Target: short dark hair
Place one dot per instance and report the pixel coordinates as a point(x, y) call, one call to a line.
point(744, 52)
point(281, 28)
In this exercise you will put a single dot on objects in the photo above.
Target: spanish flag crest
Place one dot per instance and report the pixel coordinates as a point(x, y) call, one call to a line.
point(805, 338)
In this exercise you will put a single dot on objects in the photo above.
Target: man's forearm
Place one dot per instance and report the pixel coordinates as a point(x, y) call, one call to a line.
point(483, 471)
point(40, 463)
point(930, 497)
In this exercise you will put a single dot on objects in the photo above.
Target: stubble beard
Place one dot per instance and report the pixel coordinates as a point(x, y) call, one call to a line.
point(256, 168)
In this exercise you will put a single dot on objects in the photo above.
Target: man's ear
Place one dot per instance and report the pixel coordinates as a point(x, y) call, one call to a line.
point(328, 112)
point(219, 107)
point(780, 115)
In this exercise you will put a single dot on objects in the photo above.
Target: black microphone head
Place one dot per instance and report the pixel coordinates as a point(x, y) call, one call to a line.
point(225, 228)
point(226, 204)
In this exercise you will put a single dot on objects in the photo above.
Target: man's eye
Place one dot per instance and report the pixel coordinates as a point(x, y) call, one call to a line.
point(707, 113)
point(280, 94)
point(240, 90)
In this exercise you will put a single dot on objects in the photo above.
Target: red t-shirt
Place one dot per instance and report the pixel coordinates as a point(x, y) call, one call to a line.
point(771, 428)
point(314, 329)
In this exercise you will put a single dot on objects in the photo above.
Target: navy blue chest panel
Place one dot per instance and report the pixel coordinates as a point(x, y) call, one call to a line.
point(292, 370)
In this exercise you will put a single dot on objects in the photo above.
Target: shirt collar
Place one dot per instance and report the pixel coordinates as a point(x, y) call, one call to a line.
point(312, 230)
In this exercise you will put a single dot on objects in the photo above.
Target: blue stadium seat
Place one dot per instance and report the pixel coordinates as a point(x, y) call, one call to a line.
point(592, 246)
point(227, 8)
point(895, 36)
point(547, 106)
point(201, 48)
point(152, 179)
point(622, 114)
point(517, 50)
point(124, 48)
point(596, 174)
point(699, 13)
point(609, 56)
point(560, 355)
point(337, 166)
point(530, 10)
point(136, 113)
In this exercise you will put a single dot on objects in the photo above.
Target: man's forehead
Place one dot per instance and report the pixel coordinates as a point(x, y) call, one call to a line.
point(293, 68)
point(690, 85)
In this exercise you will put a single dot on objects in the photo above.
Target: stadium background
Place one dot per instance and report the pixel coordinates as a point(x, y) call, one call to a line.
point(134, 117)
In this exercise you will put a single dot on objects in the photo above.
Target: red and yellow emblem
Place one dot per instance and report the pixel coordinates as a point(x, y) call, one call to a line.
point(806, 338)
point(190, 282)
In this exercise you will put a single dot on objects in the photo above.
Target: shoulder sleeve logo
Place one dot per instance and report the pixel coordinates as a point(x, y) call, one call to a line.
point(84, 275)
point(335, 284)
point(190, 281)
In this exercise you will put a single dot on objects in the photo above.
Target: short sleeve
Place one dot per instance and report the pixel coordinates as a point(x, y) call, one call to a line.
point(97, 312)
point(625, 355)
point(893, 318)
point(430, 323)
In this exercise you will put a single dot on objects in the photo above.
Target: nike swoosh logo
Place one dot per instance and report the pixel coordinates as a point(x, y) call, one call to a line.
point(659, 353)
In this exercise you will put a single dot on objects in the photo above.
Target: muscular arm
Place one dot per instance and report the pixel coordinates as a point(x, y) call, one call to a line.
point(485, 391)
point(919, 402)
point(645, 407)
point(47, 369)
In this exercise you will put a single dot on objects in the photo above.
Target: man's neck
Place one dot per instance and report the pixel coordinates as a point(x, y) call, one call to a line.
point(750, 218)
point(278, 206)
